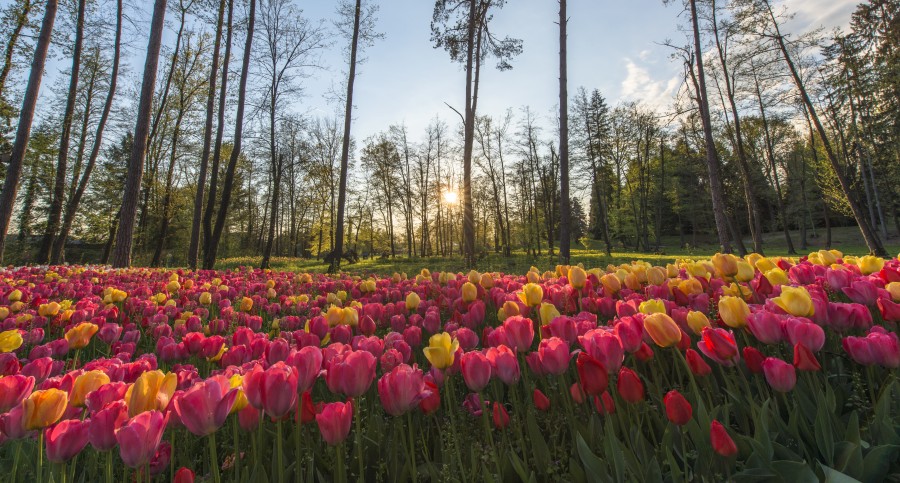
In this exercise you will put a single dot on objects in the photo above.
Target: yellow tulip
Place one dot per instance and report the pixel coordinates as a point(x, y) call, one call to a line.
point(893, 288)
point(733, 311)
point(151, 392)
point(205, 298)
point(697, 269)
point(473, 277)
point(441, 350)
point(735, 290)
point(469, 292)
point(795, 301)
point(80, 335)
point(236, 382)
point(333, 300)
point(15, 295)
point(764, 264)
point(334, 316)
point(533, 277)
point(531, 295)
point(10, 340)
point(487, 281)
point(509, 309)
point(725, 264)
point(577, 277)
point(827, 257)
point(246, 304)
point(870, 264)
point(351, 317)
point(662, 329)
point(652, 306)
point(691, 286)
point(632, 281)
point(777, 276)
point(656, 276)
point(745, 272)
point(49, 310)
point(43, 408)
point(697, 321)
point(173, 286)
point(611, 283)
point(672, 270)
point(412, 301)
point(86, 383)
point(4, 312)
point(548, 313)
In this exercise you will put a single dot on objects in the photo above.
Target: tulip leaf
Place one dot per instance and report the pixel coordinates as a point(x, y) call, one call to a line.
point(539, 450)
point(594, 467)
point(754, 475)
point(576, 472)
point(878, 461)
point(848, 458)
point(613, 450)
point(519, 467)
point(824, 435)
point(834, 476)
point(794, 471)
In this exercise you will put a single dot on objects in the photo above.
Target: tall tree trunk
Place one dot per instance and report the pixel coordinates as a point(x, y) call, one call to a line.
point(194, 243)
point(13, 39)
point(56, 253)
point(124, 237)
point(565, 205)
point(712, 158)
point(167, 193)
point(209, 258)
point(273, 212)
point(26, 116)
point(468, 141)
point(345, 148)
point(873, 242)
point(62, 161)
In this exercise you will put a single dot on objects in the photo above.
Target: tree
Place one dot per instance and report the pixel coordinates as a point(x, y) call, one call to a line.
point(124, 236)
point(565, 204)
point(26, 116)
point(19, 12)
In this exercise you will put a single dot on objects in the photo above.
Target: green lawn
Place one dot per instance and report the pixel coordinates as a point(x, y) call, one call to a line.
point(846, 239)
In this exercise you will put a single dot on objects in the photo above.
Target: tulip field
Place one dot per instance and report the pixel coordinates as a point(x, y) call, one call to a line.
point(727, 368)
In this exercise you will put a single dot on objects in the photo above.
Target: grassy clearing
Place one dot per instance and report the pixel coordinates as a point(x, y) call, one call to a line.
point(846, 239)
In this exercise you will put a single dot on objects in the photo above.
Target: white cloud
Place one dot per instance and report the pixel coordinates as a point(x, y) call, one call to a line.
point(639, 85)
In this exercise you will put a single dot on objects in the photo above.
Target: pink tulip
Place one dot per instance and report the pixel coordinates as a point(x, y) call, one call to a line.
point(105, 423)
point(799, 330)
point(12, 423)
point(334, 422)
point(859, 349)
point(139, 438)
point(862, 292)
point(564, 328)
point(401, 389)
point(13, 389)
point(519, 333)
point(204, 407)
point(352, 373)
point(779, 374)
point(273, 390)
point(766, 326)
point(885, 349)
point(505, 364)
point(605, 347)
point(308, 362)
point(476, 370)
point(66, 439)
point(554, 354)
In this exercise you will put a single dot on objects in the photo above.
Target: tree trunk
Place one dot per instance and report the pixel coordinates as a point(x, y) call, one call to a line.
point(273, 212)
point(194, 243)
point(565, 205)
point(122, 254)
point(56, 253)
point(209, 258)
point(26, 116)
point(468, 141)
point(712, 158)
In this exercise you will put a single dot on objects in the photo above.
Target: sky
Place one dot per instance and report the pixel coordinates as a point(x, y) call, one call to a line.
point(613, 45)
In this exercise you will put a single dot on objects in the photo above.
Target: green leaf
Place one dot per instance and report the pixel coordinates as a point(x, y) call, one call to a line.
point(614, 450)
point(594, 467)
point(848, 459)
point(834, 476)
point(794, 471)
point(539, 450)
point(754, 475)
point(878, 461)
point(824, 436)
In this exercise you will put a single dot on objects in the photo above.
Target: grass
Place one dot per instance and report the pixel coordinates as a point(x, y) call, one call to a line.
point(845, 239)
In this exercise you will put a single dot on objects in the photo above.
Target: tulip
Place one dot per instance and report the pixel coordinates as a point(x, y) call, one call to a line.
point(274, 390)
point(893, 288)
point(862, 292)
point(401, 389)
point(184, 475)
point(13, 390)
point(204, 407)
point(870, 264)
point(151, 392)
point(767, 327)
point(441, 350)
point(352, 373)
point(591, 373)
point(678, 409)
point(630, 386)
point(795, 301)
point(476, 370)
point(66, 439)
point(469, 292)
point(500, 416)
point(652, 306)
point(432, 402)
point(662, 329)
point(719, 345)
point(605, 347)
point(80, 335)
point(859, 349)
point(334, 422)
point(776, 276)
point(885, 349)
point(754, 359)
point(86, 383)
point(554, 355)
point(10, 340)
point(745, 272)
point(804, 359)
point(577, 277)
point(734, 312)
point(531, 295)
point(780, 375)
point(805, 332)
point(611, 283)
point(519, 333)
point(43, 408)
point(105, 423)
point(412, 301)
point(721, 441)
point(726, 264)
point(548, 313)
point(139, 438)
point(541, 401)
point(697, 321)
point(504, 363)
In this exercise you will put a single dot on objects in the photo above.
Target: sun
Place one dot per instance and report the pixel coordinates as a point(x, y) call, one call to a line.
point(451, 197)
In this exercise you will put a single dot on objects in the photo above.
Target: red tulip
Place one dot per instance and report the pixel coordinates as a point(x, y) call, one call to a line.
point(248, 418)
point(500, 416)
point(719, 345)
point(432, 402)
point(13, 389)
point(604, 403)
point(696, 364)
point(334, 421)
point(66, 439)
point(678, 409)
point(577, 393)
point(476, 370)
point(554, 355)
point(754, 359)
point(351, 373)
point(779, 374)
point(721, 441)
point(139, 438)
point(204, 407)
point(541, 401)
point(630, 386)
point(105, 423)
point(273, 390)
point(804, 359)
point(401, 389)
point(593, 376)
point(184, 475)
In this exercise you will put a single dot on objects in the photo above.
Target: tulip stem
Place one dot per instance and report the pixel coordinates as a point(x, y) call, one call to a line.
point(341, 476)
point(62, 472)
point(451, 408)
point(359, 451)
point(298, 454)
point(237, 451)
point(412, 450)
point(16, 461)
point(40, 464)
point(214, 458)
point(109, 467)
point(490, 435)
point(280, 451)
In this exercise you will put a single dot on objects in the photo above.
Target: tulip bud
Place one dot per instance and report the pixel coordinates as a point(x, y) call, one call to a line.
point(678, 409)
point(721, 441)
